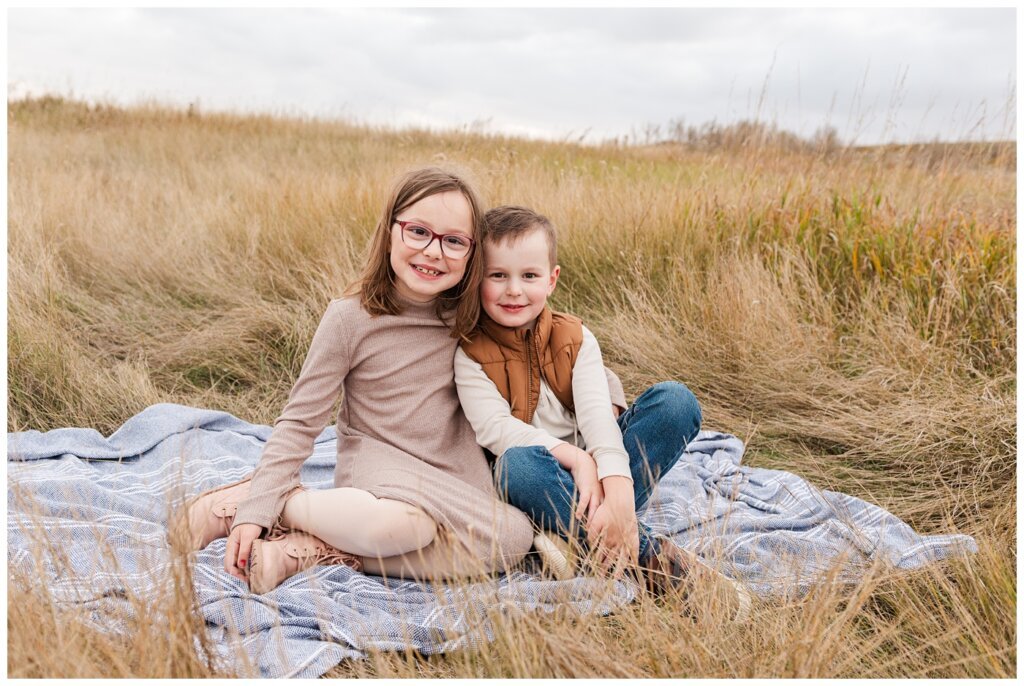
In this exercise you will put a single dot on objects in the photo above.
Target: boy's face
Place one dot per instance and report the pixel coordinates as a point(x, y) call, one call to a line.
point(518, 279)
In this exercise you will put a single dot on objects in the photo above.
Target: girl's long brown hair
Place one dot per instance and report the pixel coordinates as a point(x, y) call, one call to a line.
point(459, 306)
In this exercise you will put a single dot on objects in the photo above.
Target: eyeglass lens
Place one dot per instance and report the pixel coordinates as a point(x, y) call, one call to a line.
point(419, 237)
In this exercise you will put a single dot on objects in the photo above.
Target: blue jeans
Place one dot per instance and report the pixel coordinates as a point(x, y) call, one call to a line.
point(655, 430)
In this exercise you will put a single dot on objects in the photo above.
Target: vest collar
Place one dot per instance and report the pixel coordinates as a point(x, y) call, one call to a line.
point(515, 339)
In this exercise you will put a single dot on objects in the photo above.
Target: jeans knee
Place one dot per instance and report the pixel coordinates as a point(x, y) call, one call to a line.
point(675, 400)
point(671, 407)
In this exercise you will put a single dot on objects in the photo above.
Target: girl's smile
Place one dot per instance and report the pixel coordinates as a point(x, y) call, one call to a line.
point(427, 272)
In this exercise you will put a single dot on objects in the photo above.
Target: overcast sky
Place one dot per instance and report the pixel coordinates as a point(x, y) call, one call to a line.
point(876, 75)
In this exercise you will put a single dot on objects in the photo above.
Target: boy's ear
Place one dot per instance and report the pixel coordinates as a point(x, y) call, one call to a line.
point(554, 279)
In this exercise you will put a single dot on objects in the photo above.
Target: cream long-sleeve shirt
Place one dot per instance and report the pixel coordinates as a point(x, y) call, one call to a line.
point(592, 428)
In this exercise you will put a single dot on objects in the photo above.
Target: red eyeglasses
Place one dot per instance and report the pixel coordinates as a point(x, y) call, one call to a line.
point(418, 237)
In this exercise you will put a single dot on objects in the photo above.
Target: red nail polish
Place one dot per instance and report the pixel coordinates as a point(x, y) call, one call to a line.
point(241, 562)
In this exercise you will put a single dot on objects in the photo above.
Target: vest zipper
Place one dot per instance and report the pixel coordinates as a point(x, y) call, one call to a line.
point(529, 375)
point(540, 369)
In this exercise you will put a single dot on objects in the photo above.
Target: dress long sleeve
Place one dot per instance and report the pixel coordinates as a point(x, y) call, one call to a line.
point(306, 414)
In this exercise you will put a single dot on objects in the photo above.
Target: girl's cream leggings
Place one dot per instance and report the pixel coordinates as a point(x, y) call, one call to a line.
point(393, 538)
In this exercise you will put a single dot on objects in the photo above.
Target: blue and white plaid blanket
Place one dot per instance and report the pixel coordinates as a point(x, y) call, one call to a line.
point(103, 503)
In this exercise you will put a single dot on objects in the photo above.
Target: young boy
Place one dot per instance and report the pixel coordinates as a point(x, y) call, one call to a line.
point(532, 384)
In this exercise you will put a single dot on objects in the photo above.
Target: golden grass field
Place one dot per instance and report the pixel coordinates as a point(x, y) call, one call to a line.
point(848, 312)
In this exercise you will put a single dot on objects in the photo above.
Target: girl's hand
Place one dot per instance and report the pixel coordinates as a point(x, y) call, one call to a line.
point(584, 475)
point(239, 550)
point(613, 531)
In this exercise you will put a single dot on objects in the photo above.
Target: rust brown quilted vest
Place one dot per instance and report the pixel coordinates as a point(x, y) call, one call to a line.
point(516, 361)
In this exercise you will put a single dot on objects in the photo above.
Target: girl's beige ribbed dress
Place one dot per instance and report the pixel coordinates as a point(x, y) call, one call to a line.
point(401, 432)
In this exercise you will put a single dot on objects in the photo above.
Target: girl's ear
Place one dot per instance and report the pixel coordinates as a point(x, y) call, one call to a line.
point(554, 279)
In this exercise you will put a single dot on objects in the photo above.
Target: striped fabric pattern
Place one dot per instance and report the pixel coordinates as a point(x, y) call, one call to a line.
point(102, 504)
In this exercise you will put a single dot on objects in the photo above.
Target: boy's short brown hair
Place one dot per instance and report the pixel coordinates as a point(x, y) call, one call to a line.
point(509, 223)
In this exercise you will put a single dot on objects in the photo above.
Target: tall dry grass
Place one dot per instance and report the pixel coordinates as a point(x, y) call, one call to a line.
point(850, 313)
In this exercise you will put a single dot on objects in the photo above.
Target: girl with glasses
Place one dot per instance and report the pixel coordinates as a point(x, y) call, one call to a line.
point(412, 495)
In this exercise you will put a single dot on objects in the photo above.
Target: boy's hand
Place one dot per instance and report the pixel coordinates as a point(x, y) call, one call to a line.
point(613, 530)
point(584, 475)
point(239, 550)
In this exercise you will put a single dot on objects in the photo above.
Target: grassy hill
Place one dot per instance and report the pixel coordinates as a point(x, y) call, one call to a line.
point(850, 313)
